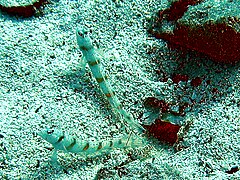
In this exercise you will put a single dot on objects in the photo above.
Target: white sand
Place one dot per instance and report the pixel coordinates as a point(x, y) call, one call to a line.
point(41, 69)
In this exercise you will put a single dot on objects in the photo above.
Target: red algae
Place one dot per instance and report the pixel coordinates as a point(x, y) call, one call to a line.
point(24, 11)
point(217, 38)
point(176, 78)
point(163, 131)
point(196, 82)
point(220, 42)
point(177, 9)
point(155, 103)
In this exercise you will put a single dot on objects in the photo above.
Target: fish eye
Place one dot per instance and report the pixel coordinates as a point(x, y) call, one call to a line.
point(50, 131)
point(80, 34)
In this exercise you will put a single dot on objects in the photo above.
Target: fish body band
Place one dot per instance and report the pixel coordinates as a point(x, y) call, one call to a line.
point(93, 61)
point(68, 143)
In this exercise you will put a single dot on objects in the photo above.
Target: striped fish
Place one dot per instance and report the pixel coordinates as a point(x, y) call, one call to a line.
point(67, 143)
point(93, 61)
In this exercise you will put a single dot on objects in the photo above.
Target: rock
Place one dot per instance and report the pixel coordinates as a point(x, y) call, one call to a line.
point(24, 8)
point(209, 27)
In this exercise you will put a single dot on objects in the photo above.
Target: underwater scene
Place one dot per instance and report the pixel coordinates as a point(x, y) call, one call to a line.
point(119, 89)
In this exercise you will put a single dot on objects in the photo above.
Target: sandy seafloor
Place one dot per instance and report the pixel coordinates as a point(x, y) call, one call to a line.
point(42, 84)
